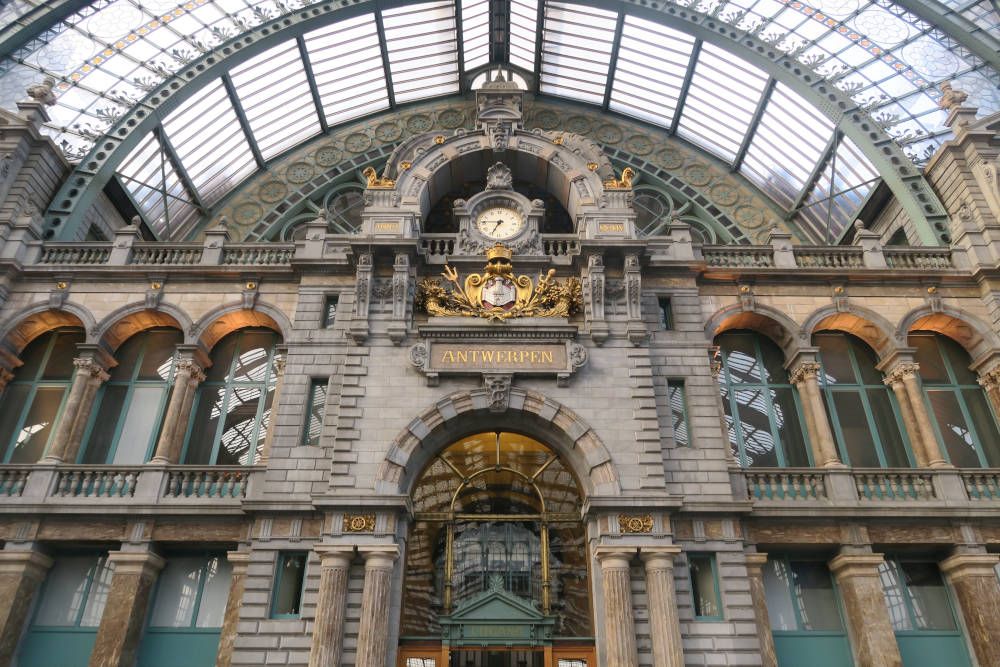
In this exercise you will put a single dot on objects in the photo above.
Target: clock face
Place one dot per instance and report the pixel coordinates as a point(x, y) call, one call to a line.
point(499, 222)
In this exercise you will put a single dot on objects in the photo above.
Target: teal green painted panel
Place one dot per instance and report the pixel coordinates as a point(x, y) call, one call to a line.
point(66, 648)
point(933, 650)
point(178, 649)
point(815, 650)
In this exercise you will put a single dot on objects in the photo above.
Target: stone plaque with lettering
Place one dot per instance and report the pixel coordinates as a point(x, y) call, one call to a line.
point(435, 358)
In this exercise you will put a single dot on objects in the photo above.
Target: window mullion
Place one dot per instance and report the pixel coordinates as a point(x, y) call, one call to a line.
point(91, 575)
point(202, 576)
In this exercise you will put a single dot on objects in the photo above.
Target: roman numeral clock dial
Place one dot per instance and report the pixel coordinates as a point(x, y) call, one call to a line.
point(500, 223)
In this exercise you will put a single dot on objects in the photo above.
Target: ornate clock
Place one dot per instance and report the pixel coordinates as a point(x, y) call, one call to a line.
point(500, 222)
point(498, 213)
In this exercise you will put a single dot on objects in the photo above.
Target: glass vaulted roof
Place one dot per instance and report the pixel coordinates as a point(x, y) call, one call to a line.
point(109, 54)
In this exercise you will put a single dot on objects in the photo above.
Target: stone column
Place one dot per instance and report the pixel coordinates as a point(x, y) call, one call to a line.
point(872, 637)
point(990, 382)
point(805, 377)
point(923, 437)
point(188, 374)
point(5, 377)
point(21, 573)
point(619, 627)
point(373, 648)
point(895, 382)
point(328, 629)
point(664, 626)
point(69, 429)
point(279, 381)
point(755, 574)
point(227, 635)
point(977, 588)
point(118, 636)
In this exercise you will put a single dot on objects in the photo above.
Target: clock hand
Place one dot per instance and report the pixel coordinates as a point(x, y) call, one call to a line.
point(499, 222)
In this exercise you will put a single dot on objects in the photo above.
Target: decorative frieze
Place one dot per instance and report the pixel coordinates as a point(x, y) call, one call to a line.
point(359, 523)
point(635, 523)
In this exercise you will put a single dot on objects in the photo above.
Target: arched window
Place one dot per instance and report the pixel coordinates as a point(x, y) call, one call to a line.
point(962, 415)
point(862, 410)
point(496, 512)
point(762, 409)
point(128, 411)
point(34, 398)
point(233, 406)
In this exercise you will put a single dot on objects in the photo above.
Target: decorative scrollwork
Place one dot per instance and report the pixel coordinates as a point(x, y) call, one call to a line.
point(497, 294)
point(642, 523)
point(359, 523)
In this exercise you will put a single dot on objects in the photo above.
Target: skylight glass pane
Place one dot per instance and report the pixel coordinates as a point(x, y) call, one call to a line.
point(210, 143)
point(275, 95)
point(838, 194)
point(787, 145)
point(652, 62)
point(422, 44)
point(721, 102)
point(475, 32)
point(576, 51)
point(156, 188)
point(346, 56)
point(523, 33)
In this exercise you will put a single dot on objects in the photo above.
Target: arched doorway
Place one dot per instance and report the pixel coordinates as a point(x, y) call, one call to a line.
point(496, 567)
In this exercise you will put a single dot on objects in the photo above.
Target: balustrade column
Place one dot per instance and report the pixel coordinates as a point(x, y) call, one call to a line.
point(923, 436)
point(755, 563)
point(664, 626)
point(279, 382)
point(118, 636)
point(328, 629)
point(872, 637)
point(974, 580)
point(21, 573)
point(239, 560)
point(805, 377)
point(66, 440)
point(619, 626)
point(373, 635)
point(188, 375)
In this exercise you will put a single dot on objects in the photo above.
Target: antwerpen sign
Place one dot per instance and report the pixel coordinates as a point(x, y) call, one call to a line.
point(435, 358)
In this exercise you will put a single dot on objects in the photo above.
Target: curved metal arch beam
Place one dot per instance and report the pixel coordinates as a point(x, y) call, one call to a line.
point(77, 194)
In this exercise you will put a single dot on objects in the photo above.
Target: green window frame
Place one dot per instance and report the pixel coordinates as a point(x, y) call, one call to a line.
point(239, 386)
point(114, 401)
point(963, 417)
point(753, 382)
point(315, 411)
point(91, 593)
point(705, 604)
point(37, 395)
point(289, 584)
point(212, 566)
point(849, 374)
point(677, 399)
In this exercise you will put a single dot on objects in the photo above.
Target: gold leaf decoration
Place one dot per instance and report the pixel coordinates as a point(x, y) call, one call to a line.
point(377, 182)
point(623, 183)
point(642, 523)
point(359, 523)
point(497, 294)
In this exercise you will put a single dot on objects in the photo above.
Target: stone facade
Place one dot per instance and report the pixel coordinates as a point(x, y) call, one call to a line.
point(652, 503)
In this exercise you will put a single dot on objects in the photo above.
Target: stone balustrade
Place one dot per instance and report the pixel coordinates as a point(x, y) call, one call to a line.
point(859, 487)
point(85, 254)
point(738, 256)
point(150, 484)
point(890, 485)
point(922, 259)
point(786, 484)
point(829, 257)
point(983, 485)
point(159, 254)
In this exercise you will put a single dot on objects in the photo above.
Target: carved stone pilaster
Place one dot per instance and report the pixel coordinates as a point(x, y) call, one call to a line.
point(498, 386)
point(593, 296)
point(402, 283)
point(362, 298)
point(636, 331)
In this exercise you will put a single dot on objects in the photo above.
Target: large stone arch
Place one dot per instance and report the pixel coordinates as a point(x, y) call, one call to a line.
point(967, 330)
point(227, 318)
point(32, 321)
point(122, 323)
point(858, 321)
point(466, 412)
point(763, 319)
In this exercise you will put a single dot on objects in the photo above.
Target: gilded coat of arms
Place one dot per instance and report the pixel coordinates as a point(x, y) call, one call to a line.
point(497, 294)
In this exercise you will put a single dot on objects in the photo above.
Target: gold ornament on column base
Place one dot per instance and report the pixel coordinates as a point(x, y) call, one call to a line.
point(497, 294)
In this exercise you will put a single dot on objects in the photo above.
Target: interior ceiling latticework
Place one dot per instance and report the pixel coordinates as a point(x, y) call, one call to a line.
point(109, 54)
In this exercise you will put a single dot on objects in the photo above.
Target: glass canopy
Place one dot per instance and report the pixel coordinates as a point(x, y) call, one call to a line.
point(109, 54)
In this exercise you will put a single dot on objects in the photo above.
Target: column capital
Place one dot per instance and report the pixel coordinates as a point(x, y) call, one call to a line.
point(961, 566)
point(611, 557)
point(334, 556)
point(379, 556)
point(804, 371)
point(660, 557)
point(143, 563)
point(755, 560)
point(901, 372)
point(847, 565)
point(88, 365)
point(24, 562)
point(989, 379)
point(191, 368)
point(239, 560)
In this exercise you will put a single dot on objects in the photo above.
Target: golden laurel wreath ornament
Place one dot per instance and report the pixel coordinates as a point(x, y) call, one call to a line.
point(497, 294)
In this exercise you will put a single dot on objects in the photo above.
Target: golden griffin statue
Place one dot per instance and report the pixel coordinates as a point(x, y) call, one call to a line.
point(497, 294)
